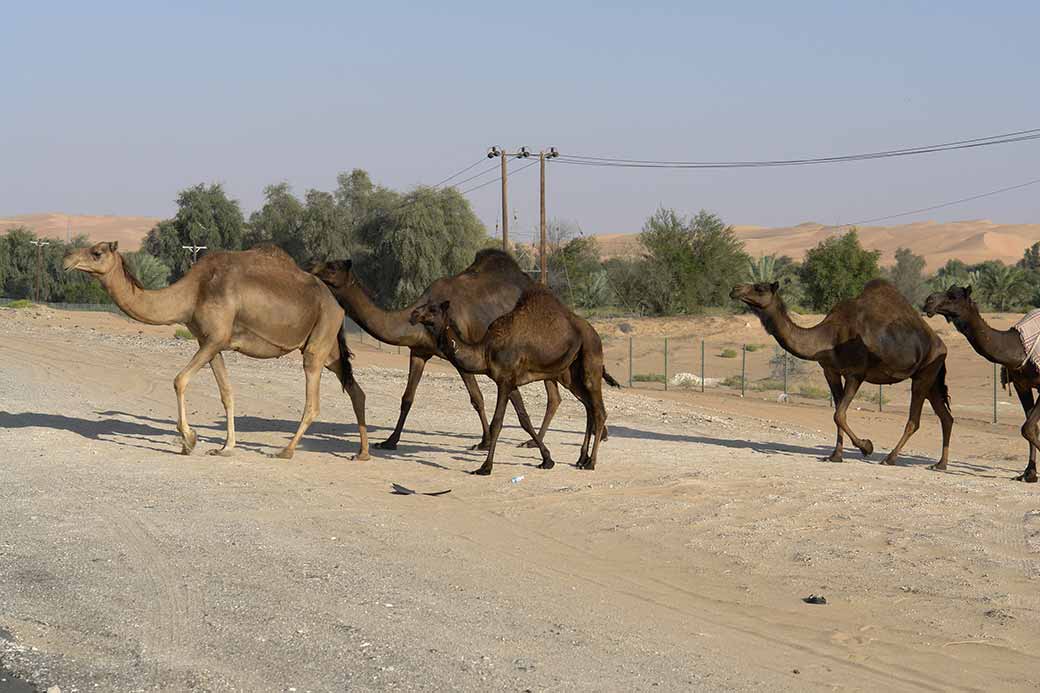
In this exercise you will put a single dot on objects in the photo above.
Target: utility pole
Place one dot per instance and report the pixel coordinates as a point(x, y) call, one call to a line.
point(543, 252)
point(39, 266)
point(493, 152)
point(194, 251)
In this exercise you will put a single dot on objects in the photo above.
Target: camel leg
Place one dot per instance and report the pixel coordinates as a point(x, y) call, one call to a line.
point(312, 367)
point(525, 423)
point(919, 389)
point(596, 416)
point(837, 388)
point(228, 399)
point(1029, 432)
point(1025, 396)
point(579, 389)
point(496, 428)
point(852, 384)
point(357, 401)
point(476, 399)
point(203, 356)
point(552, 403)
point(416, 365)
point(942, 410)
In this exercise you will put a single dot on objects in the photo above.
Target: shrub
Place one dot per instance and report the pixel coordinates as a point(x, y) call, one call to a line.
point(20, 303)
point(769, 384)
point(648, 377)
point(182, 333)
point(728, 354)
point(813, 392)
point(734, 381)
point(752, 347)
point(871, 396)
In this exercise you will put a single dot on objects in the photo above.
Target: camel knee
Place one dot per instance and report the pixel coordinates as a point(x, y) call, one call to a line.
point(180, 384)
point(911, 426)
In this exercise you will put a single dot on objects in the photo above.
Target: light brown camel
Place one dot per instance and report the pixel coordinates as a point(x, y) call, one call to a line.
point(998, 346)
point(877, 337)
point(487, 289)
point(540, 339)
point(256, 302)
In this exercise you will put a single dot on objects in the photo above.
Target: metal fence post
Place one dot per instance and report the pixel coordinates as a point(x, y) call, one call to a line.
point(702, 365)
point(743, 367)
point(994, 393)
point(880, 397)
point(630, 361)
point(785, 377)
point(666, 364)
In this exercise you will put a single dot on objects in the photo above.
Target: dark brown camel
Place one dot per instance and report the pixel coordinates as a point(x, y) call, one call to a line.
point(998, 346)
point(540, 339)
point(487, 289)
point(876, 337)
point(256, 302)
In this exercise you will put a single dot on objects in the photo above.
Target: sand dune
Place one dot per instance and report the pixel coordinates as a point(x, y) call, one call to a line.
point(129, 231)
point(970, 241)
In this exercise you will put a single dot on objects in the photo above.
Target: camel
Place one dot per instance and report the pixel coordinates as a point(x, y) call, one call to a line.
point(540, 339)
point(876, 337)
point(998, 346)
point(487, 289)
point(256, 302)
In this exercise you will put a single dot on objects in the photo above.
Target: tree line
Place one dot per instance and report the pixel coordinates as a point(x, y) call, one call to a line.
point(401, 242)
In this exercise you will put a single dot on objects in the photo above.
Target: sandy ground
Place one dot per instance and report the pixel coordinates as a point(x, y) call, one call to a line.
point(679, 564)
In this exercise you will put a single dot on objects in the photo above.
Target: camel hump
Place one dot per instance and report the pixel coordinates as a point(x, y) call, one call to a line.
point(493, 260)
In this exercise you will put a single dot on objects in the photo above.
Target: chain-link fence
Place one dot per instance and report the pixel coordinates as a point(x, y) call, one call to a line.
point(767, 372)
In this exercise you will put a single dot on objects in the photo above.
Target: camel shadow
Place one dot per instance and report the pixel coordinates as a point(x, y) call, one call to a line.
point(107, 430)
point(773, 448)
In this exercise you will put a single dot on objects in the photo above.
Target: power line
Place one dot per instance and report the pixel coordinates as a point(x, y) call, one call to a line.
point(459, 173)
point(940, 205)
point(1007, 138)
point(478, 187)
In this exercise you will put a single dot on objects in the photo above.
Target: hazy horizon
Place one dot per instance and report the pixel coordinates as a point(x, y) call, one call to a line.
point(114, 108)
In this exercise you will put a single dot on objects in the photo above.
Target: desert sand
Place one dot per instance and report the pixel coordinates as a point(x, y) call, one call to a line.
point(128, 231)
point(679, 564)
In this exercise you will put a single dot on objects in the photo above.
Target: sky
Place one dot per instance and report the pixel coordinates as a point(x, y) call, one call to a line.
point(113, 107)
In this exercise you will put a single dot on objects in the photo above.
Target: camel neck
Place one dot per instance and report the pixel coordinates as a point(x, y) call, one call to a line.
point(173, 304)
point(469, 357)
point(999, 346)
point(803, 342)
point(389, 327)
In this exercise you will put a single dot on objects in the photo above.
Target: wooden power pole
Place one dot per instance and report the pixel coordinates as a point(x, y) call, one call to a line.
point(543, 250)
point(505, 205)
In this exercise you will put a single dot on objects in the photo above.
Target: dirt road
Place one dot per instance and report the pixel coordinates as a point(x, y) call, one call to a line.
point(679, 564)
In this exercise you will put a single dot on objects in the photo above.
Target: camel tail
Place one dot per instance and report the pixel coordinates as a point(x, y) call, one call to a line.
point(346, 371)
point(940, 382)
point(610, 379)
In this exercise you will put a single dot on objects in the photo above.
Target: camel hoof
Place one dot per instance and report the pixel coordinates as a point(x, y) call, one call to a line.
point(481, 472)
point(188, 443)
point(889, 460)
point(386, 445)
point(833, 457)
point(482, 445)
point(221, 452)
point(1026, 478)
point(938, 467)
point(547, 464)
point(361, 457)
point(285, 454)
point(867, 448)
point(528, 444)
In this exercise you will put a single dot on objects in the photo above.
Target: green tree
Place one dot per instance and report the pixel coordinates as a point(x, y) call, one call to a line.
point(837, 269)
point(908, 276)
point(205, 216)
point(429, 234)
point(1003, 287)
point(278, 221)
point(572, 267)
point(148, 269)
point(325, 230)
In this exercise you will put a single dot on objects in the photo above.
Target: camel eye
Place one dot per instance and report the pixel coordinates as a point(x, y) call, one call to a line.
point(97, 254)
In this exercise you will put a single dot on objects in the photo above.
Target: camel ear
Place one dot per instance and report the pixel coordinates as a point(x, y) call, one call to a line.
point(113, 246)
point(967, 291)
point(444, 306)
point(775, 286)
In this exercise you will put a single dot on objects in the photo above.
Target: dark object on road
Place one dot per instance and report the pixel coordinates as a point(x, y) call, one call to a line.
point(815, 599)
point(405, 491)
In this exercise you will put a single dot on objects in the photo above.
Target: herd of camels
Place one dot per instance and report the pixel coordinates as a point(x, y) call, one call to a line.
point(492, 319)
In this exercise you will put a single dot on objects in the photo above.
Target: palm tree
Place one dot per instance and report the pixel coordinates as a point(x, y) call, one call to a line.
point(1003, 286)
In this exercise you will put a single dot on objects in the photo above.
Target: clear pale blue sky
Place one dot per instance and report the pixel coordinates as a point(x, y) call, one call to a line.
point(112, 107)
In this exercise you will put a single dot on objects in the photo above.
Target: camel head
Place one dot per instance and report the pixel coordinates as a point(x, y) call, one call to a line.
point(952, 304)
point(98, 259)
point(756, 296)
point(432, 316)
point(335, 273)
